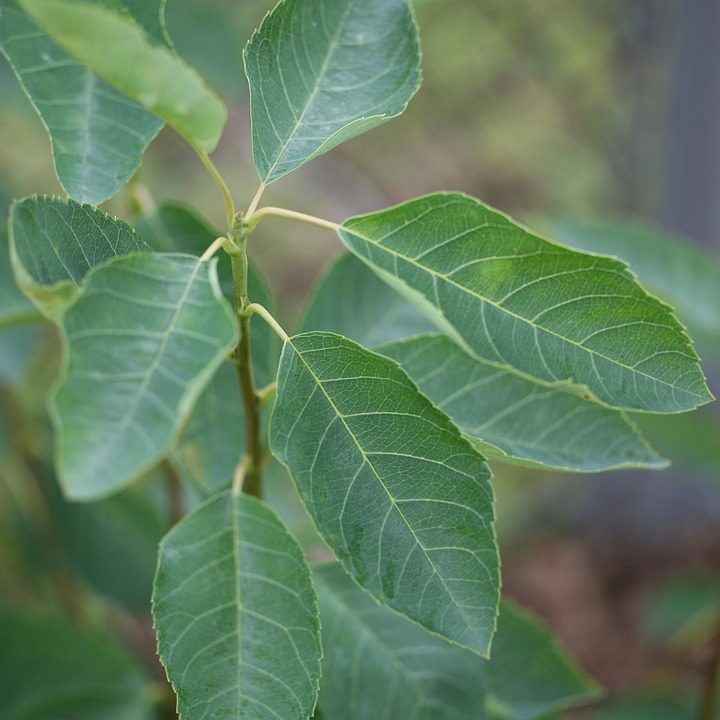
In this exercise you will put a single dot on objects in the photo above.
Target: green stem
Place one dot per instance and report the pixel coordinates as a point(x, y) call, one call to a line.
point(219, 181)
point(242, 357)
point(264, 313)
point(253, 219)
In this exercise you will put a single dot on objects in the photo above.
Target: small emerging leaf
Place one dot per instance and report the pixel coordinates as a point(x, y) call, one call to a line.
point(55, 243)
point(236, 614)
point(395, 490)
point(576, 321)
point(98, 135)
point(324, 71)
point(118, 50)
point(141, 342)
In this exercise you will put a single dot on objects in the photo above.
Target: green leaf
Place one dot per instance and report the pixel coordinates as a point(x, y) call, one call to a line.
point(236, 614)
point(576, 321)
point(141, 342)
point(54, 671)
point(513, 419)
point(379, 665)
point(322, 72)
point(116, 49)
point(376, 465)
point(212, 442)
point(15, 308)
point(54, 243)
point(351, 300)
point(669, 266)
point(529, 675)
point(98, 135)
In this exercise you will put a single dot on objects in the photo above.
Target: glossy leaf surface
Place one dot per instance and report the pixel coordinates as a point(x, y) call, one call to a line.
point(236, 614)
point(324, 71)
point(377, 465)
point(141, 343)
point(52, 670)
point(512, 298)
point(55, 243)
point(511, 418)
point(671, 267)
point(98, 135)
point(103, 40)
point(351, 300)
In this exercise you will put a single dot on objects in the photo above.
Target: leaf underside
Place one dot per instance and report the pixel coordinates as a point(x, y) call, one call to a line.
point(103, 39)
point(517, 300)
point(141, 342)
point(324, 71)
point(236, 614)
point(376, 465)
point(98, 135)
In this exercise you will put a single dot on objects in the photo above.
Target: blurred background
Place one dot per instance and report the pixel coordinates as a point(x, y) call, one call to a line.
point(545, 109)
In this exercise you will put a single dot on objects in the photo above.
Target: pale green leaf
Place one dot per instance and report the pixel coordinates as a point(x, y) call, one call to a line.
point(98, 135)
point(564, 318)
point(324, 71)
point(379, 665)
point(351, 300)
point(529, 675)
point(212, 442)
point(511, 418)
point(377, 465)
point(118, 50)
point(672, 267)
point(236, 614)
point(141, 342)
point(55, 243)
point(52, 670)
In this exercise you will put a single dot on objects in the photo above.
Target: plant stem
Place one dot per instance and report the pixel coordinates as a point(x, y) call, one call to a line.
point(242, 357)
point(253, 219)
point(264, 313)
point(710, 686)
point(253, 205)
point(219, 181)
point(214, 247)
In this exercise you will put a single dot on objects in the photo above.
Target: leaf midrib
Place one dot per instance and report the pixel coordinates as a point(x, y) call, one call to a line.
point(482, 299)
point(367, 460)
point(311, 98)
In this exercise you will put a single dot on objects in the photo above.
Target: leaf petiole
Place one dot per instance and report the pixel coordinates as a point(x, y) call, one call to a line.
point(264, 313)
point(256, 217)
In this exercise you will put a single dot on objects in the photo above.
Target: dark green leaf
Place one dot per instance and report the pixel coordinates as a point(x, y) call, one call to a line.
point(54, 243)
point(377, 465)
point(511, 418)
point(114, 47)
point(142, 341)
point(576, 321)
point(98, 135)
point(529, 674)
point(352, 301)
point(324, 71)
point(236, 614)
point(55, 671)
point(671, 267)
point(378, 665)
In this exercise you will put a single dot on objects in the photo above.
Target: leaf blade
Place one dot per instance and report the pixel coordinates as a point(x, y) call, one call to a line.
point(373, 499)
point(488, 281)
point(264, 651)
point(515, 420)
point(134, 366)
point(98, 136)
point(306, 66)
point(55, 243)
point(157, 79)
